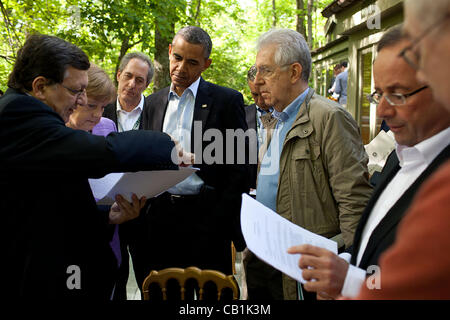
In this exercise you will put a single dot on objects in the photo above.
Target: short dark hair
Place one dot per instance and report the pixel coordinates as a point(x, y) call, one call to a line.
point(47, 56)
point(141, 56)
point(391, 37)
point(344, 64)
point(251, 74)
point(196, 35)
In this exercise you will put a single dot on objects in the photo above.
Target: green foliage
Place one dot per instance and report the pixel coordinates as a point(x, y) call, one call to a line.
point(106, 30)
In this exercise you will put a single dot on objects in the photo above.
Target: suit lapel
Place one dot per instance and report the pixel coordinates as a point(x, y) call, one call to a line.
point(390, 169)
point(250, 116)
point(157, 110)
point(396, 213)
point(110, 112)
point(203, 105)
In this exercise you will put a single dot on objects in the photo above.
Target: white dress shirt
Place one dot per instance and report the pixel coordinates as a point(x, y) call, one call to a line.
point(129, 120)
point(178, 123)
point(413, 161)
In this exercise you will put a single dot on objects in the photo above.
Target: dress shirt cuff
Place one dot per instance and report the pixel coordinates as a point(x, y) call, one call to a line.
point(353, 281)
point(346, 256)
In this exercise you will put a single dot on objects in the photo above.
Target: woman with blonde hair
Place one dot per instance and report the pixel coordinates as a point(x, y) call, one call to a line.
point(100, 92)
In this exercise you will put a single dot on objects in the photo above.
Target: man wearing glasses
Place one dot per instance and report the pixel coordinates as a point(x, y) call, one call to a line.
point(56, 241)
point(420, 126)
point(314, 172)
point(417, 265)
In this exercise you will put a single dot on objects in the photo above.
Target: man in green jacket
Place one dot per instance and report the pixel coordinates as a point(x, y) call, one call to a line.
point(314, 172)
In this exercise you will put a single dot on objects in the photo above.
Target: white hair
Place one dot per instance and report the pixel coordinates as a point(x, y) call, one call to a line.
point(428, 12)
point(292, 47)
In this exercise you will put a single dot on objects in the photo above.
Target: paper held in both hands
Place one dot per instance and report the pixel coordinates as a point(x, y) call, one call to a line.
point(142, 183)
point(268, 235)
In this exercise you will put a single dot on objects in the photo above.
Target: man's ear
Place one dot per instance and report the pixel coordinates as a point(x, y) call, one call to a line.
point(207, 64)
point(118, 75)
point(296, 72)
point(170, 49)
point(38, 87)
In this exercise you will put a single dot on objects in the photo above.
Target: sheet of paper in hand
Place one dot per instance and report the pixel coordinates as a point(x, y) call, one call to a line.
point(268, 235)
point(142, 183)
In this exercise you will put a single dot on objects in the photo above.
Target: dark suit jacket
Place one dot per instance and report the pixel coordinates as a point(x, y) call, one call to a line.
point(250, 118)
point(58, 228)
point(110, 112)
point(219, 108)
point(212, 223)
point(384, 234)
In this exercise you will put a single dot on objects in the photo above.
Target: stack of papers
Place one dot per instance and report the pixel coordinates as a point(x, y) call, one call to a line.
point(142, 183)
point(268, 235)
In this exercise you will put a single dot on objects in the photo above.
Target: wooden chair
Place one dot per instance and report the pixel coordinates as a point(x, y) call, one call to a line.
point(161, 277)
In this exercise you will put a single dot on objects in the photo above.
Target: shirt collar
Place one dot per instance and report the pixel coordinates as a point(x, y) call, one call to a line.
point(193, 88)
point(262, 111)
point(139, 107)
point(428, 149)
point(292, 109)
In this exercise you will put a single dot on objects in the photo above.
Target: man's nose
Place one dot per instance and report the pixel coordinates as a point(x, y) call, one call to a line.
point(82, 98)
point(132, 83)
point(258, 79)
point(384, 109)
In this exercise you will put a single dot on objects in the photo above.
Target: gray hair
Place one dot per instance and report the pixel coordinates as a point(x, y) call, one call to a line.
point(141, 56)
point(196, 35)
point(428, 12)
point(251, 74)
point(292, 47)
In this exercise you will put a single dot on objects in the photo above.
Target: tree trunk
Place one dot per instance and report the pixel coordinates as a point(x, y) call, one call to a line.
point(162, 72)
point(197, 12)
point(310, 22)
point(274, 10)
point(123, 51)
point(301, 18)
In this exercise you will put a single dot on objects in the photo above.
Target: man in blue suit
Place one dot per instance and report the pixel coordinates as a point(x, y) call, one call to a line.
point(56, 240)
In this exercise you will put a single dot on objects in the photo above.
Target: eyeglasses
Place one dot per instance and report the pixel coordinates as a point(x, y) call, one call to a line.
point(394, 99)
point(410, 53)
point(265, 72)
point(74, 92)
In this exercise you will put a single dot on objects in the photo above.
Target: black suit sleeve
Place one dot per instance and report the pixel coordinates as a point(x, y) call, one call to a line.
point(38, 140)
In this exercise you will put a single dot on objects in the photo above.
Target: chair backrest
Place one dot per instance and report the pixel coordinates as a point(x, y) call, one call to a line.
point(161, 277)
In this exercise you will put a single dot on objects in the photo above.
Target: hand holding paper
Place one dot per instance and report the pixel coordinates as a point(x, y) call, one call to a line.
point(144, 184)
point(268, 235)
point(323, 270)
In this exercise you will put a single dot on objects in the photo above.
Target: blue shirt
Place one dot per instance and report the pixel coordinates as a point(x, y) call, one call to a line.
point(270, 166)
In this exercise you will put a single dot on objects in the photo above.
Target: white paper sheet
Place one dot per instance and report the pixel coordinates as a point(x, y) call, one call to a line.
point(268, 235)
point(142, 183)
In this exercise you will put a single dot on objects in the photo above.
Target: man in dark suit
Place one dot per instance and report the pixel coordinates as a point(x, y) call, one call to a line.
point(57, 241)
point(134, 75)
point(421, 129)
point(194, 223)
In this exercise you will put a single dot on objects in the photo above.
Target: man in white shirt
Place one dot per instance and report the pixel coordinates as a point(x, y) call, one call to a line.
point(133, 76)
point(194, 222)
point(421, 129)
